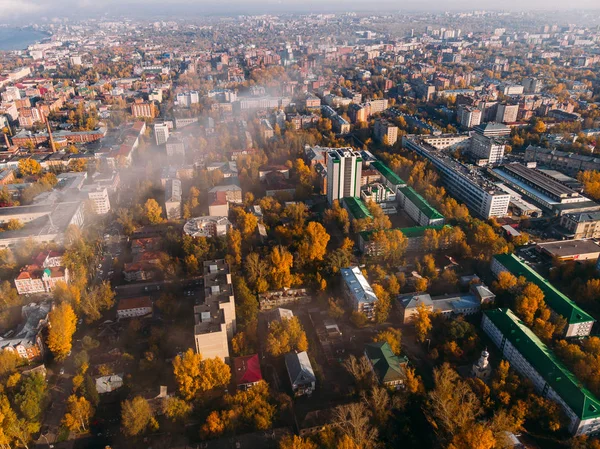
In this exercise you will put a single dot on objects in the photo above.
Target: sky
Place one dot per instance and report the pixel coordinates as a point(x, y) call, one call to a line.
point(32, 9)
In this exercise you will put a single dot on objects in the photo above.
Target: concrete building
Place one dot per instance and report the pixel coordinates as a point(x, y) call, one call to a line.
point(581, 226)
point(482, 197)
point(448, 305)
point(570, 249)
point(344, 168)
point(507, 113)
point(281, 298)
point(537, 362)
point(207, 226)
point(41, 275)
point(486, 150)
point(493, 129)
point(385, 132)
point(468, 116)
point(544, 190)
point(215, 320)
point(173, 199)
point(571, 163)
point(232, 192)
point(579, 322)
point(98, 197)
point(161, 133)
point(358, 291)
point(418, 208)
point(175, 146)
point(134, 307)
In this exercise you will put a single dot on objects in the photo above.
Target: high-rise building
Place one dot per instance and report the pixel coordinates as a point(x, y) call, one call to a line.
point(507, 113)
point(487, 150)
point(532, 85)
point(344, 170)
point(468, 116)
point(385, 132)
point(161, 133)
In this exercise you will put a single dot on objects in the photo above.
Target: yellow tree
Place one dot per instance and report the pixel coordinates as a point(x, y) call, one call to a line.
point(529, 302)
point(14, 224)
point(234, 247)
point(314, 244)
point(194, 374)
point(506, 282)
point(29, 167)
point(422, 322)
point(383, 303)
point(137, 416)
point(392, 337)
point(62, 323)
point(281, 261)
point(79, 413)
point(246, 222)
point(70, 293)
point(286, 336)
point(296, 442)
point(476, 436)
point(591, 183)
point(153, 211)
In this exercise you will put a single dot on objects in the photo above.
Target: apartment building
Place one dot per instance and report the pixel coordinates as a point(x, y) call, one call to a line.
point(215, 321)
point(161, 133)
point(507, 113)
point(358, 291)
point(466, 184)
point(537, 362)
point(344, 168)
point(561, 160)
point(486, 150)
point(98, 197)
point(385, 132)
point(468, 116)
point(173, 199)
point(143, 110)
point(579, 322)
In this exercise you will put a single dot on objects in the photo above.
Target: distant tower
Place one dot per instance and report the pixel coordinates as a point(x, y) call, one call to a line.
point(482, 369)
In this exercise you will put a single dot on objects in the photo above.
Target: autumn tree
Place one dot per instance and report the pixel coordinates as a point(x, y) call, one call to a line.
point(29, 167)
point(153, 211)
point(591, 183)
point(528, 302)
point(477, 436)
point(314, 244)
point(62, 323)
point(390, 245)
point(506, 282)
point(234, 247)
point(137, 417)
point(451, 406)
point(360, 369)
point(286, 336)
point(79, 413)
point(176, 409)
point(281, 261)
point(246, 222)
point(99, 299)
point(256, 270)
point(422, 322)
point(383, 304)
point(391, 336)
point(296, 442)
point(69, 293)
point(354, 421)
point(195, 374)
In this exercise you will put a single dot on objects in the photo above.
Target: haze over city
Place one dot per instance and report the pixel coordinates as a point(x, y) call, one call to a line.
point(299, 225)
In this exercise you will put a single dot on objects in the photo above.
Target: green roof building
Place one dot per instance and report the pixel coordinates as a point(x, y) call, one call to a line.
point(390, 179)
point(579, 322)
point(387, 366)
point(418, 208)
point(356, 208)
point(533, 359)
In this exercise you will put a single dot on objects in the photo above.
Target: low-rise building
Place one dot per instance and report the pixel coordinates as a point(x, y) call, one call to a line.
point(42, 274)
point(134, 307)
point(537, 362)
point(389, 369)
point(300, 372)
point(418, 208)
point(173, 199)
point(447, 305)
point(247, 371)
point(207, 226)
point(570, 249)
point(27, 340)
point(280, 298)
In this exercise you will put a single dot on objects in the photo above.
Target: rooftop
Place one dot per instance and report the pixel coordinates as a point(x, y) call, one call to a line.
point(421, 204)
point(578, 398)
point(556, 300)
point(358, 209)
point(358, 285)
point(387, 173)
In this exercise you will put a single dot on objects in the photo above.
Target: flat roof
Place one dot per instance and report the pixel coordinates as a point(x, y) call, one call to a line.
point(579, 399)
point(540, 180)
point(556, 300)
point(567, 248)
